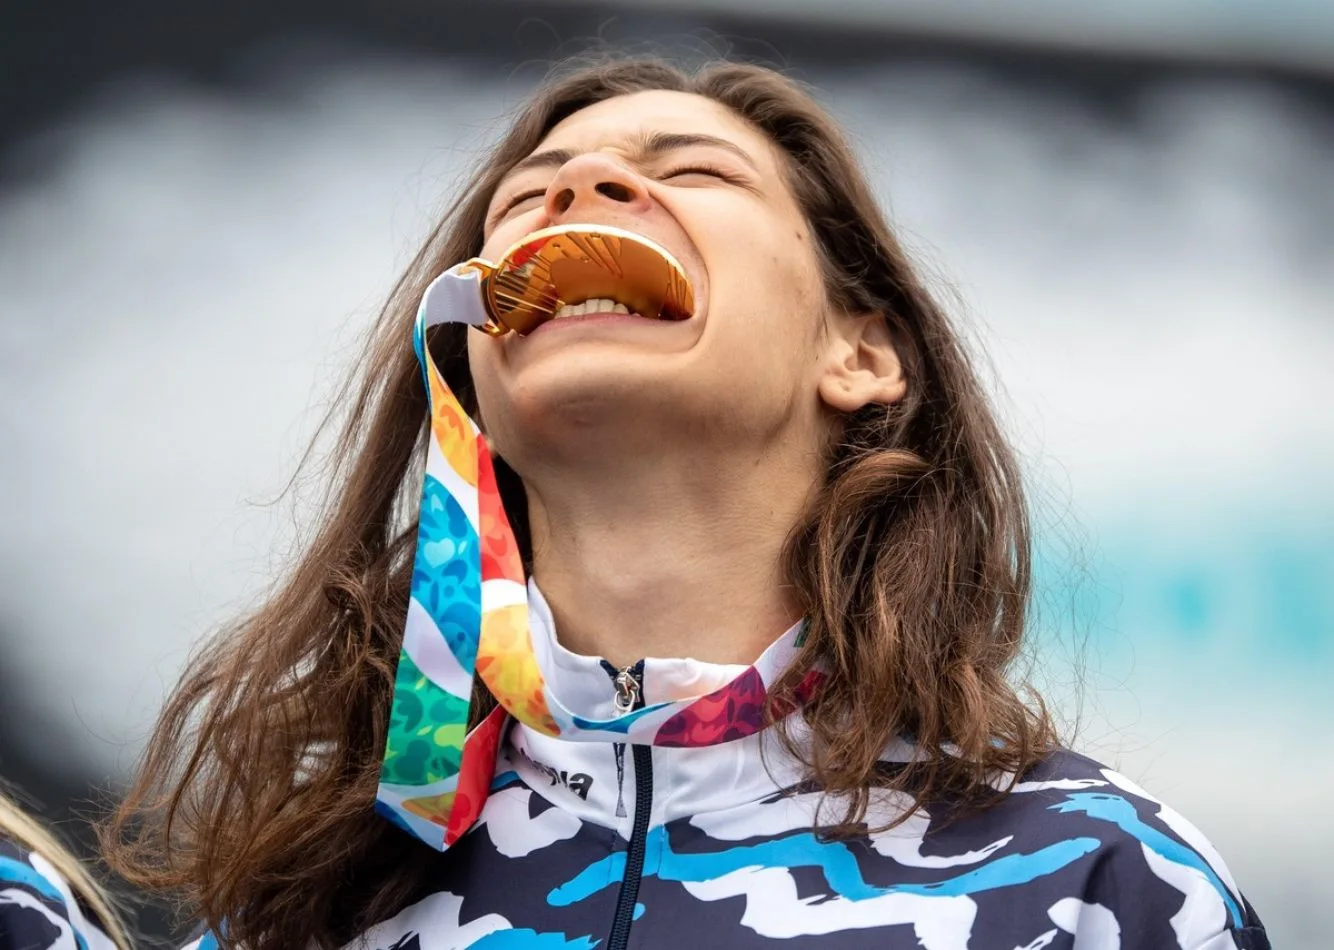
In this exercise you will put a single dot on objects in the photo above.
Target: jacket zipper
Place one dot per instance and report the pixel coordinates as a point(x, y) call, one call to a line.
point(629, 684)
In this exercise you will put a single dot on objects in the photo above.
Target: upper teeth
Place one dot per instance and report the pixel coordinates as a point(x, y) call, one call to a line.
point(593, 305)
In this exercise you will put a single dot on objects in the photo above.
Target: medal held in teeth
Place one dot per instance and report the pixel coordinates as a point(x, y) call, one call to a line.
point(568, 265)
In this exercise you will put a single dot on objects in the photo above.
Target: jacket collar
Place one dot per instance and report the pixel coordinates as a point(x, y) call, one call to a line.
point(590, 772)
point(686, 703)
point(585, 685)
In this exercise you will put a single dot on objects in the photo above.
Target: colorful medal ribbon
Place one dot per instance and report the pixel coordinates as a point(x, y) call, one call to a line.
point(468, 617)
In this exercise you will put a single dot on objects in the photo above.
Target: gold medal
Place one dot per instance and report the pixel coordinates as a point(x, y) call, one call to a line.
point(573, 263)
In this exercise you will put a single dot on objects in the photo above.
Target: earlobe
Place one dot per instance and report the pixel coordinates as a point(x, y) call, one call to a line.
point(863, 367)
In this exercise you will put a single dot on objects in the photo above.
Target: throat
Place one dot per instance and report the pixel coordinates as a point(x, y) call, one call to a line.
point(664, 555)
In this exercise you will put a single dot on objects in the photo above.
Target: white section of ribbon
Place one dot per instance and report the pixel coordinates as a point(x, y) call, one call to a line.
point(426, 645)
point(454, 297)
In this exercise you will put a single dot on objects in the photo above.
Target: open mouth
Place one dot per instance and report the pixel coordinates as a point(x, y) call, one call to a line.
point(575, 270)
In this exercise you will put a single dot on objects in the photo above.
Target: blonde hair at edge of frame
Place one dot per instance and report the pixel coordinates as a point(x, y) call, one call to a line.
point(21, 828)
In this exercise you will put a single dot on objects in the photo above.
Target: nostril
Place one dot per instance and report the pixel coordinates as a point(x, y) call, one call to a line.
point(614, 190)
point(564, 198)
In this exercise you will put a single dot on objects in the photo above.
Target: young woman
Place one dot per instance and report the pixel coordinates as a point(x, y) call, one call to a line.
point(756, 693)
point(47, 900)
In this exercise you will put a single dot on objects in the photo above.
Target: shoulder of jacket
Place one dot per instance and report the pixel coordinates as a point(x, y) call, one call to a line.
point(37, 907)
point(1142, 838)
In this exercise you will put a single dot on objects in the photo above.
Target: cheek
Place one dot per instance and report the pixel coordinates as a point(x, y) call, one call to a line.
point(795, 274)
point(501, 239)
point(509, 232)
point(773, 279)
point(779, 304)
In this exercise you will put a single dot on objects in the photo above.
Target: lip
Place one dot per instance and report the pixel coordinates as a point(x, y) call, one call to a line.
point(601, 318)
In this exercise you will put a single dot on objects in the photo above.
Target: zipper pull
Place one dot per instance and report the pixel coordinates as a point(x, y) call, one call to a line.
point(625, 700)
point(627, 691)
point(619, 751)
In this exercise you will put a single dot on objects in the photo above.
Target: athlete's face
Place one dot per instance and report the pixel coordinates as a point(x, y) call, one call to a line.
point(761, 356)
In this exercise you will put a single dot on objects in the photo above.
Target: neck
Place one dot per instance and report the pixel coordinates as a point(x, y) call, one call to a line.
point(665, 558)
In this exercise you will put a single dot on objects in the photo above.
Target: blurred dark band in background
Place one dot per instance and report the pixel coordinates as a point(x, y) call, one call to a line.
point(54, 56)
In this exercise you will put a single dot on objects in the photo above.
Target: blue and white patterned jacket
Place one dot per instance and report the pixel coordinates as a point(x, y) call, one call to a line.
point(591, 844)
point(38, 911)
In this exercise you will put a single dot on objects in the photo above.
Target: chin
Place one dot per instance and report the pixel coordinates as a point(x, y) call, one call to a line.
point(586, 407)
point(592, 392)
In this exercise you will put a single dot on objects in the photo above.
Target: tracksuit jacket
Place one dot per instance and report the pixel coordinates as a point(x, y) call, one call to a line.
point(608, 845)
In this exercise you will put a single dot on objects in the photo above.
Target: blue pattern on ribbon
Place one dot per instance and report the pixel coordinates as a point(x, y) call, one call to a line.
point(446, 575)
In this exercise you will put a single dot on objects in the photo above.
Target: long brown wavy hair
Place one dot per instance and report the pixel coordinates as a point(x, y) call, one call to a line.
point(253, 801)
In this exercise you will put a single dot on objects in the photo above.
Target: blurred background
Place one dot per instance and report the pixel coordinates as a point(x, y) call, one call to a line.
point(1129, 205)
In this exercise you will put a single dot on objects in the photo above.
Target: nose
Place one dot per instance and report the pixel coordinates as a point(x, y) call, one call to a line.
point(591, 181)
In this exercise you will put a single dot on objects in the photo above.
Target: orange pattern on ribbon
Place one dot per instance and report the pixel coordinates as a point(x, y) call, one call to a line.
point(507, 664)
point(451, 428)
point(434, 808)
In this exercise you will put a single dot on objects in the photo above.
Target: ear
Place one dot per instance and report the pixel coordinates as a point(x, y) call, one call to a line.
point(861, 365)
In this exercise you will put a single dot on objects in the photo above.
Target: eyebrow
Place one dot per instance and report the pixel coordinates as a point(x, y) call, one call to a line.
point(649, 147)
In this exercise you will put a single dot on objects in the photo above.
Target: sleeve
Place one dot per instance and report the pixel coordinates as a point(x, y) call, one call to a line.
point(1167, 883)
point(38, 911)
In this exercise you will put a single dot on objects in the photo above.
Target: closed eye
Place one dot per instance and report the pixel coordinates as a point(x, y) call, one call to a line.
point(520, 199)
point(711, 170)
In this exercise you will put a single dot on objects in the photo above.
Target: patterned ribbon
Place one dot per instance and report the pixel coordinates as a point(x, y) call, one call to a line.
point(468, 617)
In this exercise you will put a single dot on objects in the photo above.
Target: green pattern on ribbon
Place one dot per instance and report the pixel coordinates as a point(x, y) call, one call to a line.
point(426, 730)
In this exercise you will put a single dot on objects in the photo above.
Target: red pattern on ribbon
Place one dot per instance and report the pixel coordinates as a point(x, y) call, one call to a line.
point(500, 552)
point(731, 712)
point(477, 769)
